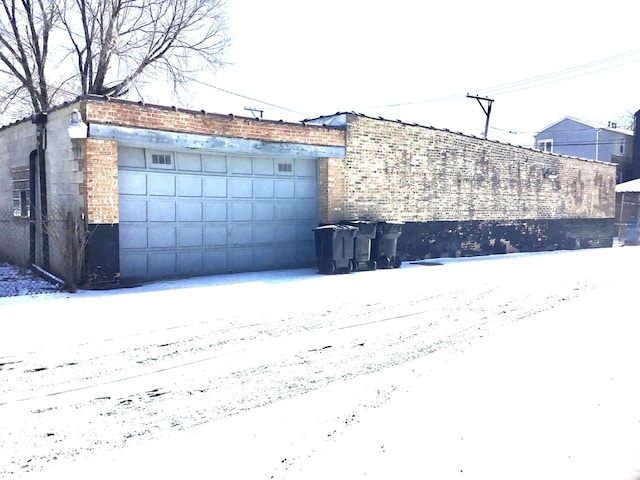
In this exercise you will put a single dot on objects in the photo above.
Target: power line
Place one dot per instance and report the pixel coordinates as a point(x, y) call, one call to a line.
point(535, 81)
point(253, 99)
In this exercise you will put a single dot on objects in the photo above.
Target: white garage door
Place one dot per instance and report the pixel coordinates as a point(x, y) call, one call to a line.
point(185, 214)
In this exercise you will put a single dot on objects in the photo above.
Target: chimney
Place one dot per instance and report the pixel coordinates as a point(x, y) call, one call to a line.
point(635, 156)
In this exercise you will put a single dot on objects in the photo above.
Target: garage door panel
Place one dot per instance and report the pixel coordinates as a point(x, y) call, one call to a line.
point(162, 264)
point(215, 211)
point(263, 211)
point(190, 263)
point(189, 236)
point(162, 184)
point(215, 261)
point(241, 235)
point(162, 237)
point(285, 188)
point(241, 187)
point(189, 162)
point(305, 167)
point(306, 254)
point(264, 233)
point(306, 189)
point(286, 233)
point(132, 183)
point(216, 236)
point(189, 186)
point(264, 188)
point(214, 163)
point(161, 211)
point(133, 236)
point(305, 210)
point(133, 209)
point(133, 265)
point(240, 165)
point(241, 259)
point(285, 211)
point(190, 212)
point(304, 231)
point(241, 211)
point(263, 166)
point(264, 258)
point(215, 187)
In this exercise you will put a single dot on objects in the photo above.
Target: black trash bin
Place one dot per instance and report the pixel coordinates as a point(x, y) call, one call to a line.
point(362, 244)
point(385, 245)
point(334, 248)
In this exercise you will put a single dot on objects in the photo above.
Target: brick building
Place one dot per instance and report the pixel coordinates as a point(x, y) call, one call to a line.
point(160, 192)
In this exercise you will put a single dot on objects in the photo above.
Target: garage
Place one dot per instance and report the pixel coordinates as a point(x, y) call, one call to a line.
point(184, 213)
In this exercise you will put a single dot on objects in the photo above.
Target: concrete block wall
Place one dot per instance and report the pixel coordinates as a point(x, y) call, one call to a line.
point(17, 141)
point(399, 172)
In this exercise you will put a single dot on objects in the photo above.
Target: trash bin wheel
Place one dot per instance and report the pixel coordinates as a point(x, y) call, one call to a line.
point(349, 268)
point(396, 262)
point(354, 265)
point(328, 267)
point(372, 264)
point(383, 262)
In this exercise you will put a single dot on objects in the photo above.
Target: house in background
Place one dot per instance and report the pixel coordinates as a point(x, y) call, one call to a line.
point(579, 138)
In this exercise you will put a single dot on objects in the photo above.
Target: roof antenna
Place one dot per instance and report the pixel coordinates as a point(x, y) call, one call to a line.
point(254, 111)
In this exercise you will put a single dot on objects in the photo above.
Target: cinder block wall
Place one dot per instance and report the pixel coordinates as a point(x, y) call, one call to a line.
point(398, 172)
point(17, 141)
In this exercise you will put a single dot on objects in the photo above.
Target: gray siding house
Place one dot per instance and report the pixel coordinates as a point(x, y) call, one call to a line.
point(579, 138)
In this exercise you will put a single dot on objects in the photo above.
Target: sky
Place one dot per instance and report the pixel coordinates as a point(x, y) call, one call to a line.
point(416, 61)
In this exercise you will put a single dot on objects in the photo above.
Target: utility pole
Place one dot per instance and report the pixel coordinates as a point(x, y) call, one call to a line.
point(487, 110)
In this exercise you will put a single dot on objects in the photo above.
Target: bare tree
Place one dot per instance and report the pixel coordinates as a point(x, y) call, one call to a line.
point(104, 47)
point(25, 30)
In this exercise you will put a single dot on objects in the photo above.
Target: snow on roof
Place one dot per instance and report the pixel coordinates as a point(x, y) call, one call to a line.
point(630, 186)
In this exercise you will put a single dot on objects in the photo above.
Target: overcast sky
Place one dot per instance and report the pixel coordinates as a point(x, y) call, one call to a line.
point(416, 61)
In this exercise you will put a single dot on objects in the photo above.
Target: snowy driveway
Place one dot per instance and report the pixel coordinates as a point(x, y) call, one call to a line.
point(416, 371)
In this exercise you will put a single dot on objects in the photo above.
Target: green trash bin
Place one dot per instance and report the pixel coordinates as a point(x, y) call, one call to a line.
point(362, 259)
point(385, 245)
point(334, 248)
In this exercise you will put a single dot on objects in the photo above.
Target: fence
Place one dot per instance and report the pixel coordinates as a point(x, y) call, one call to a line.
point(18, 275)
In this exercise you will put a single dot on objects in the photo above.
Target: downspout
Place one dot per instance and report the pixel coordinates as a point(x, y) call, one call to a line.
point(40, 120)
point(32, 206)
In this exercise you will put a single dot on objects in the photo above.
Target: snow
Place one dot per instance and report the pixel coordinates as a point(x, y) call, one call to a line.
point(515, 366)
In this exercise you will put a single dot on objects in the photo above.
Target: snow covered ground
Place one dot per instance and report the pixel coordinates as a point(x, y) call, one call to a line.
point(520, 366)
point(16, 281)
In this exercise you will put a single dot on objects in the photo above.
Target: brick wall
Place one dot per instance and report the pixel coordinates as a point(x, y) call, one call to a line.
point(399, 172)
point(122, 113)
point(99, 162)
point(331, 178)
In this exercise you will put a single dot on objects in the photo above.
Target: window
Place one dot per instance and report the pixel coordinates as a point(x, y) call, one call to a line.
point(21, 193)
point(545, 145)
point(285, 167)
point(161, 159)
